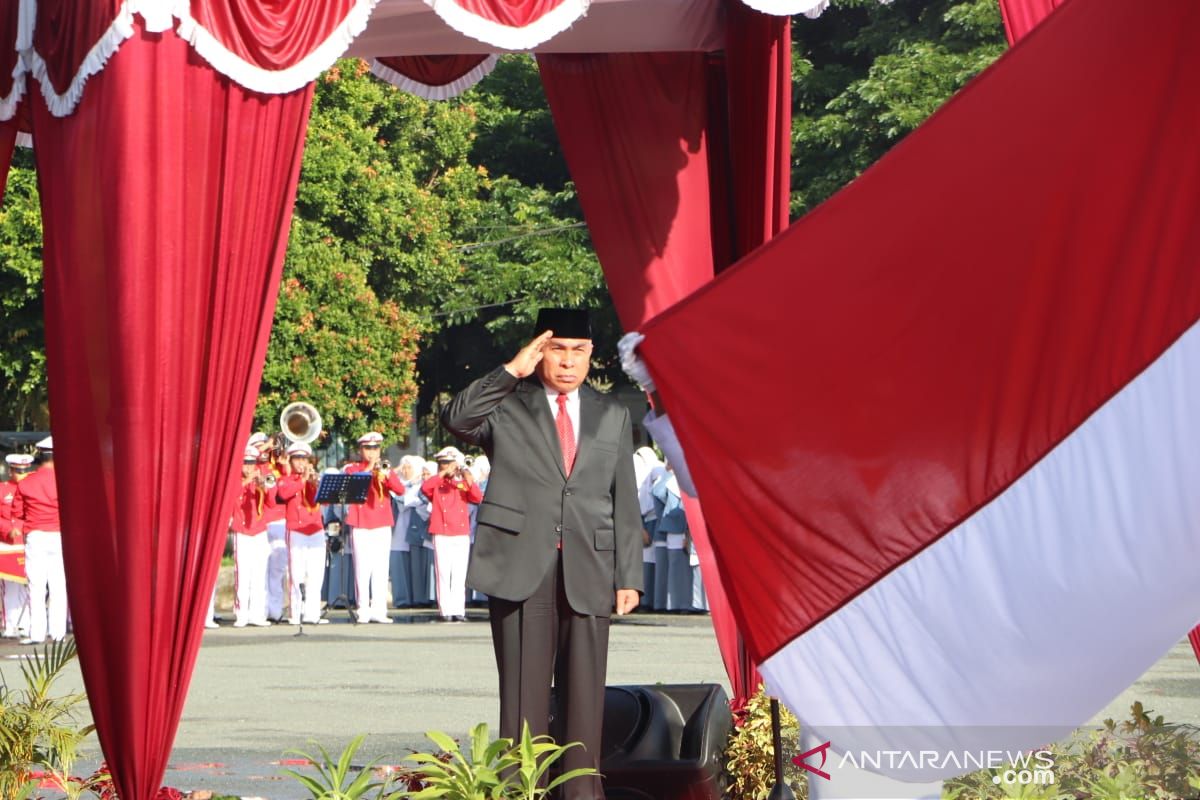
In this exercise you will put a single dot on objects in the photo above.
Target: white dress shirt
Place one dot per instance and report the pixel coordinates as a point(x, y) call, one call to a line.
point(572, 408)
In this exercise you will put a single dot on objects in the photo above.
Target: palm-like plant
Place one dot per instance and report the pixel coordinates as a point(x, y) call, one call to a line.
point(39, 731)
point(336, 779)
point(493, 770)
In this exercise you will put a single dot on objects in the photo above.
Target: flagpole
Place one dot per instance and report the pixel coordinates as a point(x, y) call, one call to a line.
point(780, 791)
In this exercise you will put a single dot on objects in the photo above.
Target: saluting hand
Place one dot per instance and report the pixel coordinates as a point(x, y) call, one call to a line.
point(524, 362)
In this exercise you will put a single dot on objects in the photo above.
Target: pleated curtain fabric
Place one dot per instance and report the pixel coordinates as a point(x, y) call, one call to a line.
point(166, 200)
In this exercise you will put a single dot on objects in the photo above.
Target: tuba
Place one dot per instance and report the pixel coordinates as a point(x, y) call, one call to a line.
point(300, 422)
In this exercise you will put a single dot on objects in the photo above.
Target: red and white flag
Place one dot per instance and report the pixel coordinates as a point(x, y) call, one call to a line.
point(946, 428)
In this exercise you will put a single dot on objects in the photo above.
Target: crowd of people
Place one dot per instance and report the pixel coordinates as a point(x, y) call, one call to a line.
point(408, 544)
point(406, 547)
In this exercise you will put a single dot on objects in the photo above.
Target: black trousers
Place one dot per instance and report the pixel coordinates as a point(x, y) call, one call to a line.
point(540, 639)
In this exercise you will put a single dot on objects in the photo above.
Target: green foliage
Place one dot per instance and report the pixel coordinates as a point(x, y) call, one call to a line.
point(336, 345)
point(492, 770)
point(1142, 758)
point(750, 752)
point(336, 779)
point(867, 74)
point(22, 341)
point(38, 731)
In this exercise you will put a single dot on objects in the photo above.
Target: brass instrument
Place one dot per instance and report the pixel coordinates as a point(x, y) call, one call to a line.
point(300, 422)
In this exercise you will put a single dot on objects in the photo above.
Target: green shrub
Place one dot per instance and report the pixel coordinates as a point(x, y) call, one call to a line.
point(750, 752)
point(1142, 758)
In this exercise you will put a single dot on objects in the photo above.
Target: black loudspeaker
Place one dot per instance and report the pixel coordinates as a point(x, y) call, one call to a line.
point(664, 742)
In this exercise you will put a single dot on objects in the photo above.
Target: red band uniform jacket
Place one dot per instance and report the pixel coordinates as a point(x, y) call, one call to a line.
point(451, 500)
point(302, 511)
point(35, 504)
point(377, 511)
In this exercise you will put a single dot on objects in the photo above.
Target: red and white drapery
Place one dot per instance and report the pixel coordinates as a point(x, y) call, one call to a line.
point(168, 142)
point(979, 482)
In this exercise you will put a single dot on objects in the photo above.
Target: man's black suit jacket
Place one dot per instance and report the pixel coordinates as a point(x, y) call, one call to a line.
point(530, 501)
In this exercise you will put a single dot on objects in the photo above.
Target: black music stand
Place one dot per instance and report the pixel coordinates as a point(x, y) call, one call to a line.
point(340, 488)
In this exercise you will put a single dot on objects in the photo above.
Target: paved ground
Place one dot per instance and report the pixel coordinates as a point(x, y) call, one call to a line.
point(259, 692)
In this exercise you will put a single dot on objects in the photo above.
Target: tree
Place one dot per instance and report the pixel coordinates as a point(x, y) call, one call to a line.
point(867, 74)
point(23, 401)
point(335, 345)
point(384, 184)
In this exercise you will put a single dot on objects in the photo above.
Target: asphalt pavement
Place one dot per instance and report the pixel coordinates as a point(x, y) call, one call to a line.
point(259, 692)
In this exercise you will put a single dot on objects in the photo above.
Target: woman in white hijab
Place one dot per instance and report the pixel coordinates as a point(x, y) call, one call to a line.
point(398, 568)
point(646, 468)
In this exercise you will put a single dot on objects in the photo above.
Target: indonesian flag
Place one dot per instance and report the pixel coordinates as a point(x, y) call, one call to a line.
point(946, 428)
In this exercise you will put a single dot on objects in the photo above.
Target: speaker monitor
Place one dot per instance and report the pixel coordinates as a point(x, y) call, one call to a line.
point(664, 742)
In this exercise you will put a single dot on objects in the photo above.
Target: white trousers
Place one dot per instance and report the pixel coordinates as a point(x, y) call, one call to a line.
point(277, 565)
point(16, 608)
point(306, 560)
point(47, 585)
point(372, 556)
point(250, 554)
point(450, 557)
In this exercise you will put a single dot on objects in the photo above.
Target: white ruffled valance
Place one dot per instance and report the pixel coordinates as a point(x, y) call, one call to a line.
point(158, 16)
point(162, 15)
point(431, 92)
point(507, 37)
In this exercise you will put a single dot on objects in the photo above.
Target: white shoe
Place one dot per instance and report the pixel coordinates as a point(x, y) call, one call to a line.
point(8, 635)
point(29, 641)
point(241, 623)
point(261, 623)
point(316, 622)
point(210, 625)
point(293, 621)
point(385, 620)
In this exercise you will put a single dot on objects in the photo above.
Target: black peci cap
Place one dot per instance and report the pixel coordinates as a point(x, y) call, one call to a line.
point(567, 323)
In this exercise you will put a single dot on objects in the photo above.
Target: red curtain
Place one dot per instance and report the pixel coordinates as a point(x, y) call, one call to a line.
point(66, 31)
point(273, 36)
point(8, 90)
point(166, 200)
point(506, 12)
point(1194, 638)
point(1022, 16)
point(758, 65)
point(749, 138)
point(631, 126)
point(434, 77)
point(433, 70)
point(8, 141)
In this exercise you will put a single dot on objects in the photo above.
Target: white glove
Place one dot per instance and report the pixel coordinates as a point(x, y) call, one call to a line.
point(633, 365)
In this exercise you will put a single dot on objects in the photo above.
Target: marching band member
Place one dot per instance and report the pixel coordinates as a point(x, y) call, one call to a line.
point(35, 516)
point(371, 534)
point(250, 547)
point(450, 492)
point(272, 467)
point(14, 608)
point(305, 535)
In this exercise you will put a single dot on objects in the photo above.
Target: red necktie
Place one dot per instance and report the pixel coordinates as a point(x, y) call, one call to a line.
point(566, 434)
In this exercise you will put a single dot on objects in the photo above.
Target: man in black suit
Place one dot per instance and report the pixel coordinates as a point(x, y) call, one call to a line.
point(559, 537)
